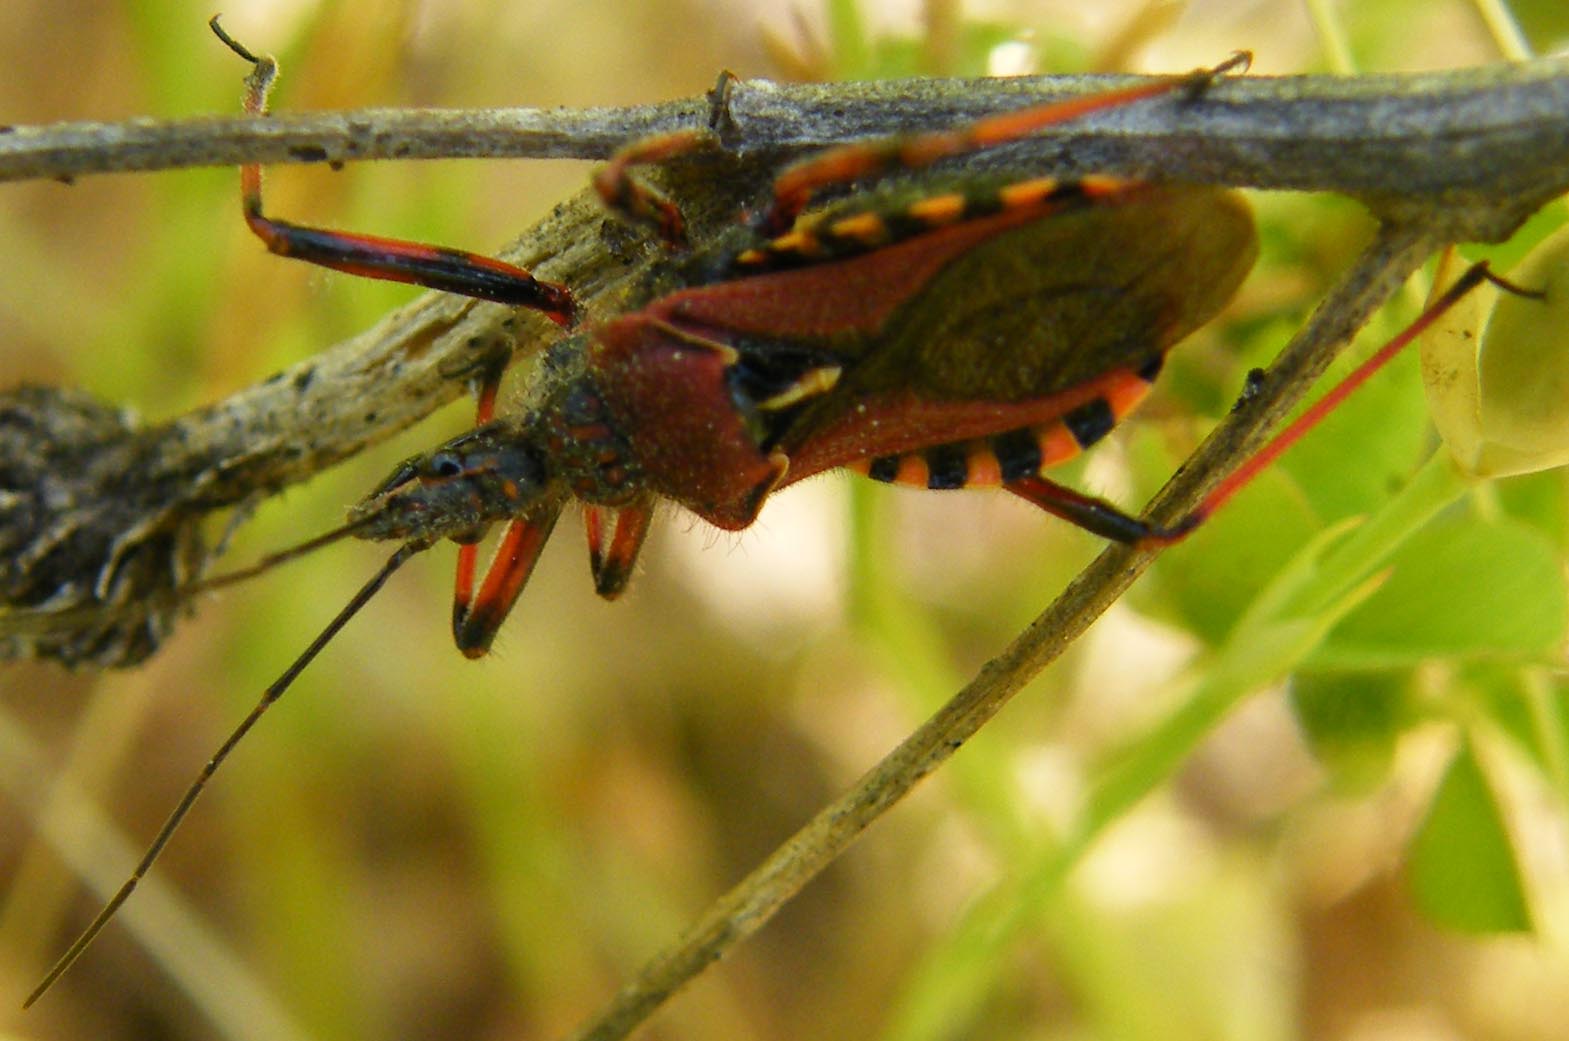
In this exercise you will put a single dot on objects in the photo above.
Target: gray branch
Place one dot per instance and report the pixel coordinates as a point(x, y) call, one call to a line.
point(1459, 137)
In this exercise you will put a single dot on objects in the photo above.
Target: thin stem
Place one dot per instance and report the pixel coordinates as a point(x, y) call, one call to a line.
point(1332, 36)
point(1504, 29)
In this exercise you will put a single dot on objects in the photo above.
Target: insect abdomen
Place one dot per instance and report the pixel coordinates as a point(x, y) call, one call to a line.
point(998, 459)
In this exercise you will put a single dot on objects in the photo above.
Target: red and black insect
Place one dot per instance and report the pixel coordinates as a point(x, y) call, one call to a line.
point(927, 334)
point(922, 330)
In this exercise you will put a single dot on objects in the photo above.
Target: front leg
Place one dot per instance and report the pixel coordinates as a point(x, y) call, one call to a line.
point(370, 256)
point(476, 618)
point(612, 564)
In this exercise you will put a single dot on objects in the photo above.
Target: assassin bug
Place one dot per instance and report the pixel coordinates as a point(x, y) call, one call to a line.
point(808, 340)
point(917, 333)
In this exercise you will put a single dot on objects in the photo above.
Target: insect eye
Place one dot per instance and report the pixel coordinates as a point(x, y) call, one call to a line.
point(444, 465)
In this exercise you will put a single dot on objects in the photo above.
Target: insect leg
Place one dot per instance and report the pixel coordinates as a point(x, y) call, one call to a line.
point(489, 385)
point(1014, 459)
point(1473, 276)
point(796, 185)
point(1096, 516)
point(476, 619)
point(1106, 520)
point(637, 201)
point(612, 566)
point(394, 260)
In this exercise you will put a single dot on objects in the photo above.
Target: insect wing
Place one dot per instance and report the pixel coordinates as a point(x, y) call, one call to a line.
point(819, 296)
point(1052, 304)
point(1035, 321)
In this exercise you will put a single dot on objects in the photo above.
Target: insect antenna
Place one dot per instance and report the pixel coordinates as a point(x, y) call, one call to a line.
point(270, 695)
point(272, 560)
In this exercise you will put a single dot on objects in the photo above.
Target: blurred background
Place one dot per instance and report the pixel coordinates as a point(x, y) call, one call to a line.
point(415, 846)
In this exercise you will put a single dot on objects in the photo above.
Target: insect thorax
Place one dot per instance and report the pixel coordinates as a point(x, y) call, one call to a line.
point(583, 438)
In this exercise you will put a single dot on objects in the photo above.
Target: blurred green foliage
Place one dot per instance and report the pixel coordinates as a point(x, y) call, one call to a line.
point(1330, 722)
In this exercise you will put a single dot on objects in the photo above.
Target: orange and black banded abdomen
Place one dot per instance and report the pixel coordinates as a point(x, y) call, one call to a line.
point(1001, 459)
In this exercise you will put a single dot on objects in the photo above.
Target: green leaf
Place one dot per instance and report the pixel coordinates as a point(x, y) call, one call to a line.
point(1352, 462)
point(1205, 584)
point(1540, 500)
point(1462, 589)
point(1352, 720)
point(1463, 872)
point(1529, 707)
